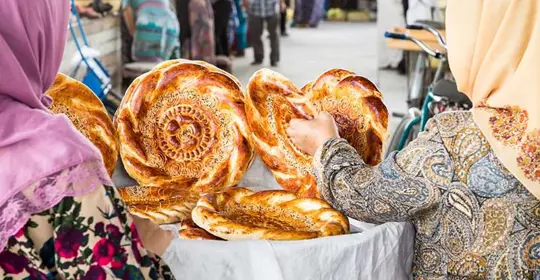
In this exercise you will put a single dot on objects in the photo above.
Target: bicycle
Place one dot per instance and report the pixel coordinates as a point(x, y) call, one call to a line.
point(416, 85)
point(442, 94)
point(96, 77)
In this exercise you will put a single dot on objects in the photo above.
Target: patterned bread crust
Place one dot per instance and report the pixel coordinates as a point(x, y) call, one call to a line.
point(241, 214)
point(190, 231)
point(357, 107)
point(272, 101)
point(207, 65)
point(86, 112)
point(162, 205)
point(183, 129)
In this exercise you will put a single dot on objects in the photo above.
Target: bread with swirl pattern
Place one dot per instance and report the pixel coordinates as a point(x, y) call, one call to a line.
point(241, 214)
point(87, 114)
point(272, 101)
point(183, 132)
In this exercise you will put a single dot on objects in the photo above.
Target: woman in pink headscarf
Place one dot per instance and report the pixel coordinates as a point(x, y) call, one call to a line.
point(58, 216)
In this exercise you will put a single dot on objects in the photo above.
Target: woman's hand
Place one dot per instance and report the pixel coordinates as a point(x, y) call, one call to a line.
point(154, 238)
point(309, 135)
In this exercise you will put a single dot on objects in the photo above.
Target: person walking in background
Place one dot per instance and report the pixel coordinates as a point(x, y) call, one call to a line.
point(259, 13)
point(197, 24)
point(240, 36)
point(153, 30)
point(222, 14)
point(197, 38)
point(405, 4)
point(389, 14)
point(308, 13)
point(284, 4)
point(233, 26)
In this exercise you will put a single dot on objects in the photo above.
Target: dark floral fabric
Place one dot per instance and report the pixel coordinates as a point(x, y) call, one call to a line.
point(87, 237)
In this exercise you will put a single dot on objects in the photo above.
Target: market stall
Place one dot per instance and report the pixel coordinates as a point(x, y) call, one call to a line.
point(369, 252)
point(190, 139)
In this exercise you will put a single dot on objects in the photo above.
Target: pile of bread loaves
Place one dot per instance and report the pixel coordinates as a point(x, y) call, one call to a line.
point(187, 133)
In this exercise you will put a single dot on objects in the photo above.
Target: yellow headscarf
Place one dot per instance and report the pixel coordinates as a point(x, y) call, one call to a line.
point(494, 54)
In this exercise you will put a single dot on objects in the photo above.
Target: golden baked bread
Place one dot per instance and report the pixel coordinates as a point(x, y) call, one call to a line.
point(241, 214)
point(162, 205)
point(357, 107)
point(207, 65)
point(190, 231)
point(272, 101)
point(182, 128)
point(87, 114)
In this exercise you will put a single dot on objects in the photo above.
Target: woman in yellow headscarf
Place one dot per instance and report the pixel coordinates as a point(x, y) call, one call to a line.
point(470, 184)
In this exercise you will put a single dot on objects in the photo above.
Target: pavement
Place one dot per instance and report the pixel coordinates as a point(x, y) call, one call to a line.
point(306, 54)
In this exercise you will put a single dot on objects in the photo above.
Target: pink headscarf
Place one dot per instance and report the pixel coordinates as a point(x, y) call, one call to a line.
point(42, 157)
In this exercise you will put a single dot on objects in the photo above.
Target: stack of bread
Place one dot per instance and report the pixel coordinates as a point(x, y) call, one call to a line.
point(183, 132)
point(188, 133)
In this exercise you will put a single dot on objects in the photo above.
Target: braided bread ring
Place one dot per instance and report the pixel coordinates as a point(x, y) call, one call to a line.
point(272, 101)
point(241, 214)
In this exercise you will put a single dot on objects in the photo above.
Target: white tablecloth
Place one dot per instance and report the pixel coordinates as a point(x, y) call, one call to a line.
point(379, 252)
point(371, 252)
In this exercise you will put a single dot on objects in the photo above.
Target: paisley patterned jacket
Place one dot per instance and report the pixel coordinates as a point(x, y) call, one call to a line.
point(472, 217)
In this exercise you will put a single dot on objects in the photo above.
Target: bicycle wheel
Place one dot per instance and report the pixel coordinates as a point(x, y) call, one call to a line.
point(413, 134)
point(393, 145)
point(419, 82)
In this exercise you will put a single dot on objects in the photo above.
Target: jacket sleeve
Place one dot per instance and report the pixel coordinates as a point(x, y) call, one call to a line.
point(400, 188)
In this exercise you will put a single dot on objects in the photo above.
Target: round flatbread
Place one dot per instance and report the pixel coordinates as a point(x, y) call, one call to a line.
point(241, 214)
point(182, 128)
point(162, 205)
point(272, 101)
point(87, 114)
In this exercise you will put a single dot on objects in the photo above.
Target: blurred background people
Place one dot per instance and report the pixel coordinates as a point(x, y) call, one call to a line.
point(197, 23)
point(421, 10)
point(405, 4)
point(389, 15)
point(308, 13)
point(259, 13)
point(152, 30)
point(101, 7)
point(222, 14)
point(198, 37)
point(232, 27)
point(284, 5)
point(240, 36)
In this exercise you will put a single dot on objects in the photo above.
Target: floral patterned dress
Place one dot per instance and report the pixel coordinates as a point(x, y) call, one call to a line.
point(473, 218)
point(87, 237)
